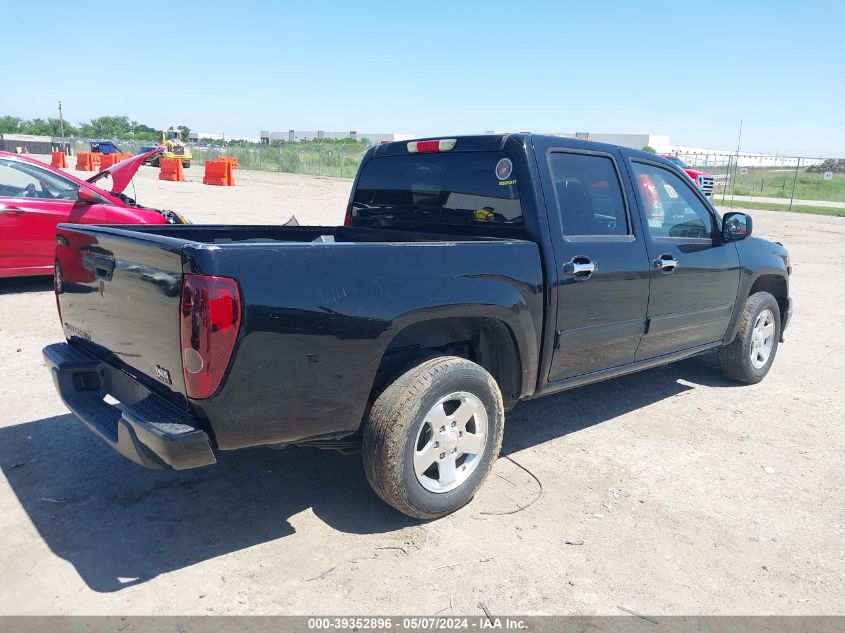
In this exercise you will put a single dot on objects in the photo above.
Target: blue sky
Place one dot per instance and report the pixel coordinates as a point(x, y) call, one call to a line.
point(688, 69)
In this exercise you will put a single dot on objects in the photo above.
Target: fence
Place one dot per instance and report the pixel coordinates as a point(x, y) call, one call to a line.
point(31, 144)
point(307, 157)
point(783, 180)
point(315, 158)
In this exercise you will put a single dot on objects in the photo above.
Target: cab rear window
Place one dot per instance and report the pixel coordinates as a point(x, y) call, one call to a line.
point(445, 188)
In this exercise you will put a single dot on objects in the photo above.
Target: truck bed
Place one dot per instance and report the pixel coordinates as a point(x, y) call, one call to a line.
point(247, 234)
point(321, 306)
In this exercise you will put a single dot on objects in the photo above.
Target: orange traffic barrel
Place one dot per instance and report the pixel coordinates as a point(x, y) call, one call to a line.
point(218, 172)
point(58, 160)
point(84, 162)
point(171, 169)
point(107, 160)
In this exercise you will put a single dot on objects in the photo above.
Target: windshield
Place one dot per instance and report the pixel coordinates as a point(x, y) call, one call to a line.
point(460, 188)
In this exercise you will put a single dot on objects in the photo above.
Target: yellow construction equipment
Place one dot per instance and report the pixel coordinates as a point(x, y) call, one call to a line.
point(174, 147)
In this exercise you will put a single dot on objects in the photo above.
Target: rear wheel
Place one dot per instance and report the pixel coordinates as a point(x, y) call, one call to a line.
point(432, 437)
point(186, 164)
point(751, 354)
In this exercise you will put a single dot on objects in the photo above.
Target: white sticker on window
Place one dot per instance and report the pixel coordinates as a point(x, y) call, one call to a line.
point(670, 190)
point(504, 168)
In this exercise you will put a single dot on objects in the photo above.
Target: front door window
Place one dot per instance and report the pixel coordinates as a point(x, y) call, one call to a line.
point(672, 209)
point(19, 179)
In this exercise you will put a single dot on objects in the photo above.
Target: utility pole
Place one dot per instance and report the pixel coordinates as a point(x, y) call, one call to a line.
point(794, 181)
point(733, 178)
point(62, 125)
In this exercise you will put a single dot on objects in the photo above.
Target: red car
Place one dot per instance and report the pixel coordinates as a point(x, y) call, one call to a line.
point(35, 197)
point(701, 178)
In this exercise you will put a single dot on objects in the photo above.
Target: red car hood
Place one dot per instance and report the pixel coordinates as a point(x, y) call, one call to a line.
point(123, 172)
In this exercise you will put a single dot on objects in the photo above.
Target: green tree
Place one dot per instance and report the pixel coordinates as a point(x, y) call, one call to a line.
point(649, 149)
point(144, 132)
point(10, 124)
point(107, 127)
point(37, 126)
point(50, 127)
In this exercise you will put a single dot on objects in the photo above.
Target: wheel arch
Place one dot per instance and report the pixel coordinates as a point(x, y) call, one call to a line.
point(775, 285)
point(772, 281)
point(487, 340)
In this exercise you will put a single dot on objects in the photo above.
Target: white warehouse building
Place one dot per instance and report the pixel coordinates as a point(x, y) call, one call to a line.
point(376, 138)
point(658, 142)
point(697, 156)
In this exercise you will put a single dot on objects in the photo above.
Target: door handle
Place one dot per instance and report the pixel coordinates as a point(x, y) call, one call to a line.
point(9, 210)
point(580, 267)
point(666, 263)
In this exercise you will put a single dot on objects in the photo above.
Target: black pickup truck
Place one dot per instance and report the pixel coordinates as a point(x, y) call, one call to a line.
point(470, 273)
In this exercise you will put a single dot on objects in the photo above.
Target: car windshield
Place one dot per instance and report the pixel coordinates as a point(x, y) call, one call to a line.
point(460, 188)
point(677, 161)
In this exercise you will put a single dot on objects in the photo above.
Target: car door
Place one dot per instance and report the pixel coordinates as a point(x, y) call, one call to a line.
point(695, 275)
point(602, 263)
point(33, 200)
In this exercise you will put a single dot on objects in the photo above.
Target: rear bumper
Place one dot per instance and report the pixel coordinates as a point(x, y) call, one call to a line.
point(144, 428)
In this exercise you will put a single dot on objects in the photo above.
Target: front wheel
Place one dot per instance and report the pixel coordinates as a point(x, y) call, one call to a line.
point(751, 354)
point(186, 164)
point(432, 437)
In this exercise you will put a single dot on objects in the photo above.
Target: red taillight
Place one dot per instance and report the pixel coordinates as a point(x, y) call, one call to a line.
point(347, 219)
point(437, 145)
point(210, 319)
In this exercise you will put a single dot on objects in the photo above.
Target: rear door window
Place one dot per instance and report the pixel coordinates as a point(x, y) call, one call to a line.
point(444, 188)
point(589, 195)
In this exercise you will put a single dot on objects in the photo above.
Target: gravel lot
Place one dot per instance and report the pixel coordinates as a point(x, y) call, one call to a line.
point(670, 491)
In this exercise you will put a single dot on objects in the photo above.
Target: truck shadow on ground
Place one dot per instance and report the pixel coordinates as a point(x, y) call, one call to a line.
point(120, 525)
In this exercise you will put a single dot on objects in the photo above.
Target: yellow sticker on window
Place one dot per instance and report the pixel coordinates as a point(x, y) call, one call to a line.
point(670, 190)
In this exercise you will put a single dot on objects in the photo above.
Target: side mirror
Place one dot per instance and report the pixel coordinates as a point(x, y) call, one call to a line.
point(736, 226)
point(86, 195)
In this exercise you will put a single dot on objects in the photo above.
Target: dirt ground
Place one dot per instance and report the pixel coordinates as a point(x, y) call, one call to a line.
point(670, 491)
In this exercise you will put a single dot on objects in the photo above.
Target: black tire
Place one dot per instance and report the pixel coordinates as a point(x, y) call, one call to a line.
point(398, 415)
point(186, 164)
point(156, 162)
point(735, 359)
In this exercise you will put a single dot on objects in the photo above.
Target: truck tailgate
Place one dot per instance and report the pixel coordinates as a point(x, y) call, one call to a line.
point(118, 299)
